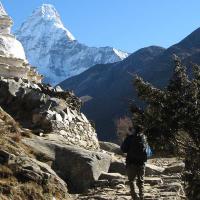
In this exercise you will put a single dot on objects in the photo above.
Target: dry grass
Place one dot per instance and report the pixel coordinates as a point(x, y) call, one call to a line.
point(5, 172)
point(16, 137)
point(10, 124)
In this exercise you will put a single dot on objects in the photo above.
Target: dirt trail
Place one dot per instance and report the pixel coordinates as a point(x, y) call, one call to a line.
point(158, 186)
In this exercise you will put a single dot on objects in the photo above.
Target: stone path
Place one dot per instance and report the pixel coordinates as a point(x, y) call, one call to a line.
point(158, 186)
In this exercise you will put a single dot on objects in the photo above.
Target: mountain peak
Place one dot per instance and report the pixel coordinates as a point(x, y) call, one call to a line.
point(48, 12)
point(45, 20)
point(51, 47)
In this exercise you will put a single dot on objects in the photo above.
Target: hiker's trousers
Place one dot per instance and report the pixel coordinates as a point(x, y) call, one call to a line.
point(133, 172)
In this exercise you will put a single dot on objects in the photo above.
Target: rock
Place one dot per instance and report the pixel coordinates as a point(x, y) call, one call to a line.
point(58, 117)
point(118, 166)
point(80, 168)
point(101, 183)
point(175, 168)
point(13, 88)
point(153, 180)
point(41, 173)
point(110, 176)
point(156, 187)
point(120, 183)
point(35, 98)
point(22, 170)
point(36, 118)
point(58, 89)
point(153, 170)
point(111, 147)
point(4, 157)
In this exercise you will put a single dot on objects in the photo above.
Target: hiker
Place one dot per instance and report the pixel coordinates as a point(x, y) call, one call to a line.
point(135, 146)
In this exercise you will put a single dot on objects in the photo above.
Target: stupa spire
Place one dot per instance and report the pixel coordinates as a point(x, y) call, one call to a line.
point(2, 10)
point(5, 21)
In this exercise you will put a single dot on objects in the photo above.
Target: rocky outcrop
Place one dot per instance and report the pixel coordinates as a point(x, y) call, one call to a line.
point(21, 174)
point(47, 110)
point(80, 168)
point(110, 147)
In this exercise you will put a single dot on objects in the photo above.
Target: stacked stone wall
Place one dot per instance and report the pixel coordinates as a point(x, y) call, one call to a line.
point(49, 112)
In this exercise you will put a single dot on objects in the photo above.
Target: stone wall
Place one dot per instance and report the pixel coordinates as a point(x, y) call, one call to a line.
point(47, 111)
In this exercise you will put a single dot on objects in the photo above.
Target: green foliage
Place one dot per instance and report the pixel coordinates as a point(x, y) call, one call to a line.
point(171, 119)
point(172, 110)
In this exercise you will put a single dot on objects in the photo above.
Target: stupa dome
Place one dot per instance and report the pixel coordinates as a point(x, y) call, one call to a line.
point(10, 47)
point(13, 61)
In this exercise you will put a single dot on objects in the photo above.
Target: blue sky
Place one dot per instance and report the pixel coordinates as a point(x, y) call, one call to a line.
point(124, 24)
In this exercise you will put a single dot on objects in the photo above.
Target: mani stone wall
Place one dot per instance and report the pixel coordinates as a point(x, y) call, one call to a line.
point(47, 111)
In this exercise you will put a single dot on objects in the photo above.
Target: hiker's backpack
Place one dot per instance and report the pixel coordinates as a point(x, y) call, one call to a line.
point(149, 151)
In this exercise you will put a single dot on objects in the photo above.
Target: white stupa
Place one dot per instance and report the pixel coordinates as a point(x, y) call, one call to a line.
point(13, 61)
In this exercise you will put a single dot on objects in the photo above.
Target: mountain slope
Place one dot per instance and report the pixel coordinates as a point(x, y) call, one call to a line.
point(55, 51)
point(110, 86)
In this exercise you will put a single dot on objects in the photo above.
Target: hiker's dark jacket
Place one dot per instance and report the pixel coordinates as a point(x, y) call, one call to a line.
point(135, 146)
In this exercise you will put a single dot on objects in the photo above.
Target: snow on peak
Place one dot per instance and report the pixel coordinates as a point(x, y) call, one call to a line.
point(2, 10)
point(54, 50)
point(48, 12)
point(47, 20)
point(122, 55)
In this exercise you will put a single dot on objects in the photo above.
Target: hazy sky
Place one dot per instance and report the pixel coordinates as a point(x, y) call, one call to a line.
point(124, 24)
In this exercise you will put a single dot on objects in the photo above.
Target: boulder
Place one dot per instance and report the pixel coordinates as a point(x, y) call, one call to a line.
point(110, 147)
point(153, 170)
point(80, 168)
point(26, 169)
point(118, 166)
point(175, 168)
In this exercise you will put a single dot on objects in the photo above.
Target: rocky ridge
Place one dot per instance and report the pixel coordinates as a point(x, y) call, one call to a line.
point(110, 89)
point(23, 176)
point(153, 64)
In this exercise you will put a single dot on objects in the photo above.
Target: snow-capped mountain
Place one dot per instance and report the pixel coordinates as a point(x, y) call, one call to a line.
point(55, 51)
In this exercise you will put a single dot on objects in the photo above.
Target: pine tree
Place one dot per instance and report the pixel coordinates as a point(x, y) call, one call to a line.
point(171, 119)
